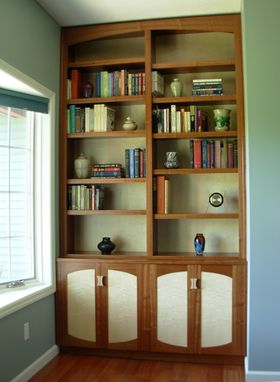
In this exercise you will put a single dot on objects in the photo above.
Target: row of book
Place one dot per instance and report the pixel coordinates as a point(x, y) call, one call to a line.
point(85, 119)
point(107, 170)
point(135, 163)
point(207, 87)
point(213, 153)
point(82, 197)
point(107, 84)
point(186, 119)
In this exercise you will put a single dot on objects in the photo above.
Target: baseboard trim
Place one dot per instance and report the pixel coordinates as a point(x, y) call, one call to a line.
point(262, 376)
point(32, 369)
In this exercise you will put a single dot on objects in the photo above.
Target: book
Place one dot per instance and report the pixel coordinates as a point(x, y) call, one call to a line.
point(157, 84)
point(166, 196)
point(197, 153)
point(75, 83)
point(160, 194)
point(72, 119)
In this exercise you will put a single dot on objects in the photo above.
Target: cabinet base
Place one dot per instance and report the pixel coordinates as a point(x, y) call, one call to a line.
point(170, 357)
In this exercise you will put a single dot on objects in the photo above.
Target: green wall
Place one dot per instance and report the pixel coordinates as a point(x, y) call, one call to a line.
point(262, 84)
point(29, 41)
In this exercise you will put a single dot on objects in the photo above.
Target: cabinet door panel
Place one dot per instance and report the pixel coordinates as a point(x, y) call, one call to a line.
point(172, 311)
point(81, 304)
point(216, 309)
point(172, 308)
point(122, 306)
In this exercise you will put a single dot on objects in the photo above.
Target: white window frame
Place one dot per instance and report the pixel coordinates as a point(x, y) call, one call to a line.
point(13, 299)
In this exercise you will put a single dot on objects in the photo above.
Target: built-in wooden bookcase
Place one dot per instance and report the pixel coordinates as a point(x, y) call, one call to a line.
point(189, 49)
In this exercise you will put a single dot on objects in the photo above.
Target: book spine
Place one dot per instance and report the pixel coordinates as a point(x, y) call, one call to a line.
point(137, 163)
point(75, 83)
point(173, 118)
point(131, 163)
point(160, 194)
point(204, 153)
point(217, 154)
point(72, 118)
point(166, 196)
point(197, 153)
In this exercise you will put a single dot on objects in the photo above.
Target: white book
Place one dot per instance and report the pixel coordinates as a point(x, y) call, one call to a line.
point(87, 117)
point(173, 118)
point(178, 122)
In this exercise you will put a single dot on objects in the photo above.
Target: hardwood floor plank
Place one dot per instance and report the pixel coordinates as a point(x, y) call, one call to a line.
point(79, 368)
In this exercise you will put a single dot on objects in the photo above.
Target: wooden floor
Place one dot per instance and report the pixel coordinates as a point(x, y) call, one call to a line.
point(78, 368)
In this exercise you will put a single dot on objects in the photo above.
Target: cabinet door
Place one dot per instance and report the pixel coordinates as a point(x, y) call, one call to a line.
point(77, 301)
point(124, 298)
point(172, 304)
point(222, 309)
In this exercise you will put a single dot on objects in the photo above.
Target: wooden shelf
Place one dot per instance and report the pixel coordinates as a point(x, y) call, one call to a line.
point(131, 62)
point(106, 181)
point(195, 66)
point(106, 212)
point(207, 100)
point(108, 134)
point(196, 216)
point(183, 171)
point(107, 100)
point(191, 135)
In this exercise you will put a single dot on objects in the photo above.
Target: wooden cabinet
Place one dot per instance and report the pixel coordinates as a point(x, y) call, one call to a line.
point(100, 304)
point(189, 304)
point(198, 308)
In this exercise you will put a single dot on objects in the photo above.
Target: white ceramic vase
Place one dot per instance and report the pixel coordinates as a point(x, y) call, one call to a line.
point(176, 87)
point(81, 165)
point(129, 124)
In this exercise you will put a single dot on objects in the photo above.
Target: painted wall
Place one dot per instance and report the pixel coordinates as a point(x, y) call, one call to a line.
point(29, 41)
point(262, 84)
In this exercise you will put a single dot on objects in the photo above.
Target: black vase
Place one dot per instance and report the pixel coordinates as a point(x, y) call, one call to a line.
point(106, 246)
point(199, 244)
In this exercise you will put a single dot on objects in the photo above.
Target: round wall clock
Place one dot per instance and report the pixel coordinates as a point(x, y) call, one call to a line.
point(216, 199)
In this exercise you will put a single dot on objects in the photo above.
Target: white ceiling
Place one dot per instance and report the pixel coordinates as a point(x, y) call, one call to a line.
point(82, 12)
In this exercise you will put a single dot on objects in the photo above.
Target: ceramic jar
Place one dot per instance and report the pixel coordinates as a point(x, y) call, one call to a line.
point(171, 160)
point(87, 90)
point(81, 165)
point(199, 244)
point(176, 87)
point(106, 246)
point(222, 119)
point(129, 124)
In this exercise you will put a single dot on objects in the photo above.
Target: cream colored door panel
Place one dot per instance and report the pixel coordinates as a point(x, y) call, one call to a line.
point(81, 304)
point(122, 306)
point(172, 309)
point(216, 309)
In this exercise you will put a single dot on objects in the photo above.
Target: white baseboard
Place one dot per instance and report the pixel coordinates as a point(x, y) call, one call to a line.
point(32, 369)
point(262, 376)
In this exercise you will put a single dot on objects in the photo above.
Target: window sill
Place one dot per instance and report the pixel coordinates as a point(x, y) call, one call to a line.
point(17, 298)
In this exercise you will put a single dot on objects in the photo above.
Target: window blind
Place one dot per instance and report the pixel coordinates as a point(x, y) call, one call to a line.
point(24, 101)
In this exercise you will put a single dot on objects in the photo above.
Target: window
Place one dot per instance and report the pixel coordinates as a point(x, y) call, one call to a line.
point(17, 158)
point(27, 247)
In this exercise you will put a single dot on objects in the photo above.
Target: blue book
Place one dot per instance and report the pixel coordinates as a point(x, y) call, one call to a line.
point(72, 118)
point(131, 163)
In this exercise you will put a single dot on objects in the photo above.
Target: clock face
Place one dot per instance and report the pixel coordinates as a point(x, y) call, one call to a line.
point(216, 199)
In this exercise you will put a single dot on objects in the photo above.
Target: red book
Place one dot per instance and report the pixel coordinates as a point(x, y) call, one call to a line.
point(217, 154)
point(197, 153)
point(230, 155)
point(160, 194)
point(75, 83)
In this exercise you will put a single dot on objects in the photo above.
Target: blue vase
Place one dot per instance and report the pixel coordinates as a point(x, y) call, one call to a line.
point(199, 244)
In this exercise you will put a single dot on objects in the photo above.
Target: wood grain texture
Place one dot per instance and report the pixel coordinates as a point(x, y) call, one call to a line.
point(78, 368)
